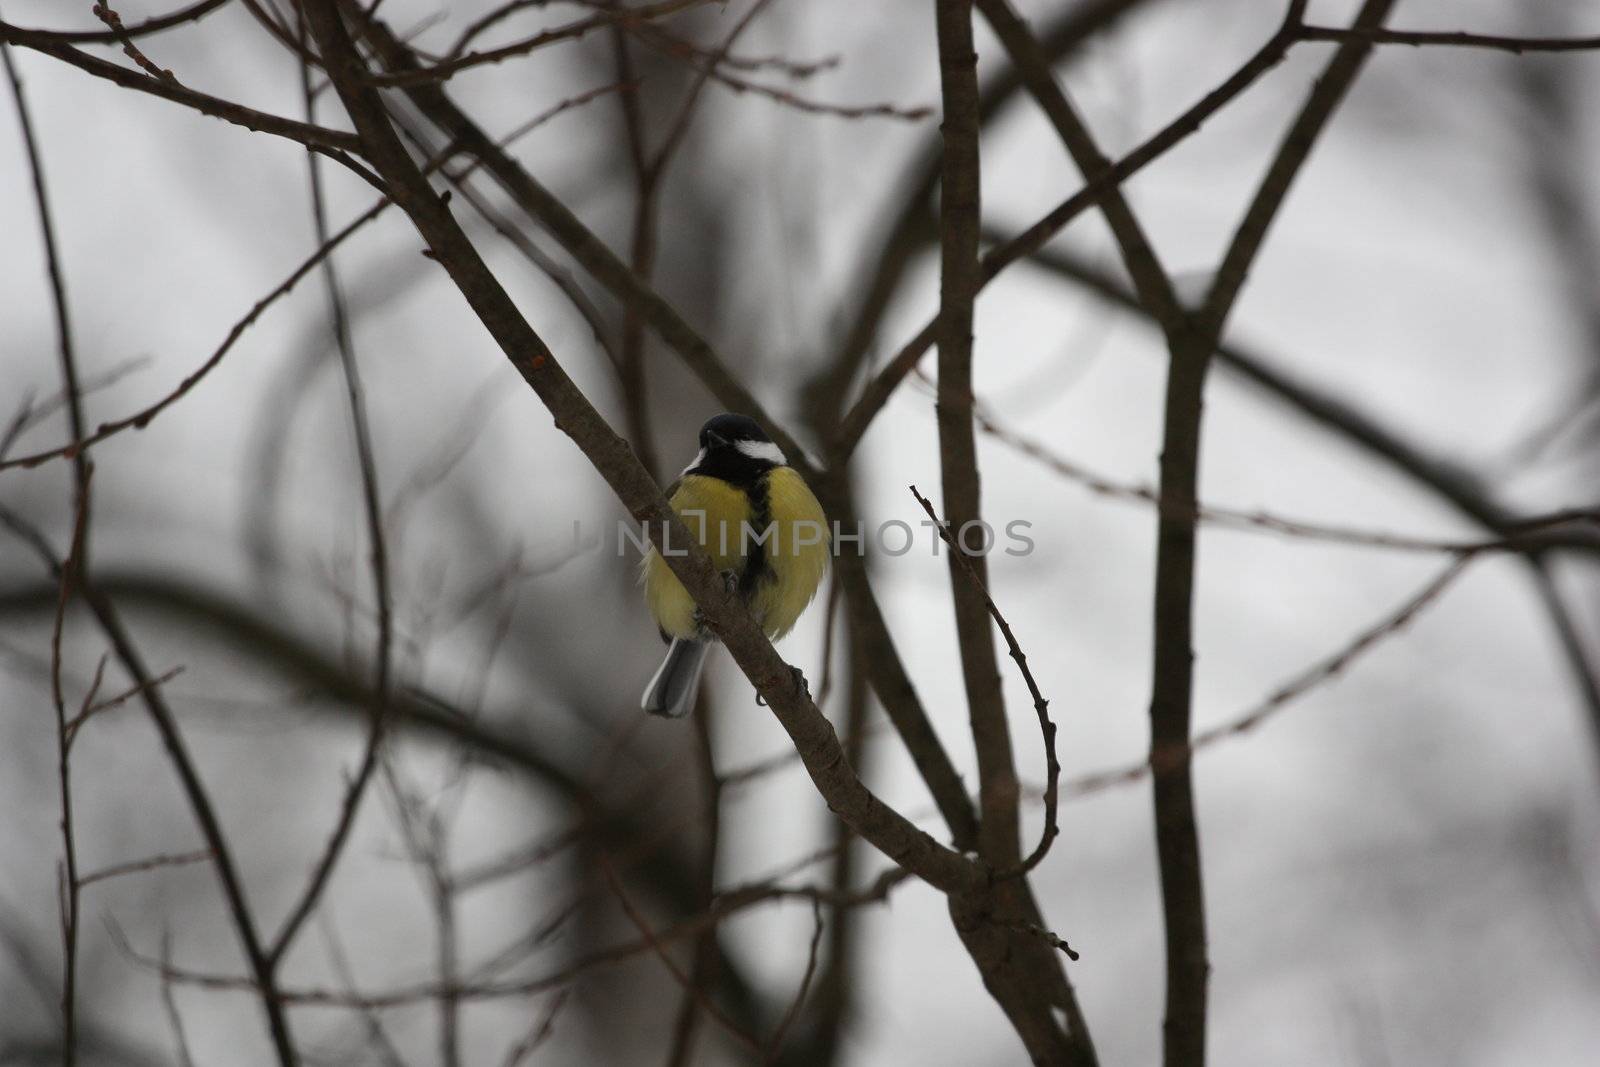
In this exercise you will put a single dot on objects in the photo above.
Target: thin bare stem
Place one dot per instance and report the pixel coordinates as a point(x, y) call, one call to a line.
point(1041, 706)
point(142, 418)
point(448, 68)
point(775, 1042)
point(1375, 35)
point(336, 142)
point(72, 571)
point(878, 390)
point(103, 11)
point(151, 863)
point(1325, 670)
point(183, 16)
point(378, 558)
point(707, 1005)
point(1172, 660)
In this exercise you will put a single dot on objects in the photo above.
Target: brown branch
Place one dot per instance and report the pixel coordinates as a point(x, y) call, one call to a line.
point(140, 419)
point(878, 390)
point(1026, 981)
point(907, 233)
point(682, 48)
point(805, 105)
point(1323, 671)
point(1144, 266)
point(1375, 35)
point(69, 887)
point(775, 1043)
point(336, 142)
point(166, 724)
point(1323, 100)
point(113, 21)
point(169, 1004)
point(71, 575)
point(649, 171)
point(151, 863)
point(538, 1034)
point(584, 245)
point(1440, 476)
point(728, 904)
point(91, 707)
point(707, 1005)
point(1049, 937)
point(1041, 706)
point(378, 558)
point(706, 954)
point(887, 674)
point(1172, 666)
point(1571, 528)
point(481, 25)
point(448, 68)
point(724, 613)
point(191, 14)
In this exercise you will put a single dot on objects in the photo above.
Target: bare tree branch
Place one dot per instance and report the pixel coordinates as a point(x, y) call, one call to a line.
point(611, 457)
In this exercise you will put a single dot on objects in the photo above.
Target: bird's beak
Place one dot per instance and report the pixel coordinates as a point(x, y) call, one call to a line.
point(717, 440)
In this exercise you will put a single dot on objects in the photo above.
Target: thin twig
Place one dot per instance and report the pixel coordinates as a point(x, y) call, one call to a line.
point(377, 548)
point(183, 16)
point(1041, 706)
point(775, 1042)
point(72, 571)
point(92, 707)
point(142, 418)
point(262, 980)
point(877, 392)
point(1373, 35)
point(450, 67)
point(151, 863)
point(169, 1004)
point(1172, 659)
point(336, 142)
point(1167, 760)
point(1573, 527)
point(538, 1034)
point(707, 1005)
point(113, 21)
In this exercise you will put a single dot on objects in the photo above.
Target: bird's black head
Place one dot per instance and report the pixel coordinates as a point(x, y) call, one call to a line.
point(736, 449)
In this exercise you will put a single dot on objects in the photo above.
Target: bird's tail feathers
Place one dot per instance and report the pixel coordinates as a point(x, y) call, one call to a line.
point(672, 691)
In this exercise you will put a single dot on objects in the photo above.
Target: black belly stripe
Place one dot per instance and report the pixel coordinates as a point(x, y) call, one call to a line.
point(757, 568)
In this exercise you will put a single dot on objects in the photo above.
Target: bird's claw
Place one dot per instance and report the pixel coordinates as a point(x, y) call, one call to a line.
point(800, 683)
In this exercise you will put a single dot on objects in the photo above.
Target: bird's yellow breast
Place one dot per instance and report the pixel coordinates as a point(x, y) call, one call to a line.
point(772, 535)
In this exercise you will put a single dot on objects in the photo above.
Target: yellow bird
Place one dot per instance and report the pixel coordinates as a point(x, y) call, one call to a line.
point(764, 530)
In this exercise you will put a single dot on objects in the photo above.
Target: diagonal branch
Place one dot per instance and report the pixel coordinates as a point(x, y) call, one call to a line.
point(812, 734)
point(335, 141)
point(183, 16)
point(1041, 706)
point(580, 242)
point(378, 556)
point(1144, 266)
point(878, 390)
point(1172, 661)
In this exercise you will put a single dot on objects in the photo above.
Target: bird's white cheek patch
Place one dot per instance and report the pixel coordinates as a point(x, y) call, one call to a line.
point(764, 450)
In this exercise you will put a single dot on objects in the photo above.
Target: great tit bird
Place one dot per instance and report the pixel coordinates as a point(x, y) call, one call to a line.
point(763, 529)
